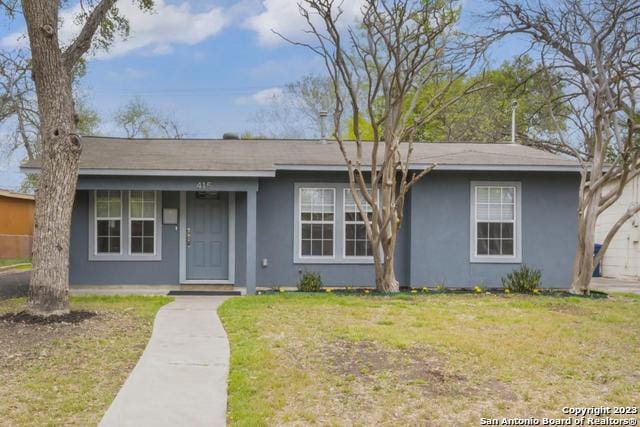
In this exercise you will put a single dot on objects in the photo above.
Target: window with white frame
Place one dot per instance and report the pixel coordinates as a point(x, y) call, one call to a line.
point(317, 222)
point(108, 225)
point(495, 220)
point(356, 243)
point(142, 222)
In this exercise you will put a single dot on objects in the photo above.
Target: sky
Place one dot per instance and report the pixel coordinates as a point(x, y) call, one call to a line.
point(209, 64)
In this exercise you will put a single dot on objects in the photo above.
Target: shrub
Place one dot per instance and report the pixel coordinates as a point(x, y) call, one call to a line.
point(525, 279)
point(310, 282)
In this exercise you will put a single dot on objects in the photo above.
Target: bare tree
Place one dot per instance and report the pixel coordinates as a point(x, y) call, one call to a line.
point(139, 120)
point(593, 47)
point(52, 68)
point(295, 112)
point(381, 64)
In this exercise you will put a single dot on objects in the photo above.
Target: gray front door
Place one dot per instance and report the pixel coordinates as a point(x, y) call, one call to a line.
point(207, 236)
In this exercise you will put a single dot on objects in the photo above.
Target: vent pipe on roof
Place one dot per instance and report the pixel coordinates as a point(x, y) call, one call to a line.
point(230, 135)
point(514, 106)
point(323, 127)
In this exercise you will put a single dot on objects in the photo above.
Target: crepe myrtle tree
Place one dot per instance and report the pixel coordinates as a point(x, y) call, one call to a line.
point(378, 67)
point(592, 48)
point(52, 65)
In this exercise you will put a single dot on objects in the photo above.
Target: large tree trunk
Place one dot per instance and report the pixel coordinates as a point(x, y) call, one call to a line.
point(387, 282)
point(49, 286)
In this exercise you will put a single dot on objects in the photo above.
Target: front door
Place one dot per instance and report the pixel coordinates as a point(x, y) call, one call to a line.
point(207, 236)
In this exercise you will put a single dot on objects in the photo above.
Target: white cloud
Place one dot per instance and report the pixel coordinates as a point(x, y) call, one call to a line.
point(284, 17)
point(263, 97)
point(154, 33)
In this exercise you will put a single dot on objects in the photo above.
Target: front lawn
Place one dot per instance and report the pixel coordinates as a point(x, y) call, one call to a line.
point(24, 262)
point(437, 359)
point(68, 374)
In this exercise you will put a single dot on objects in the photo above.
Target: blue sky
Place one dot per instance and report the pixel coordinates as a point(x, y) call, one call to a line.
point(206, 63)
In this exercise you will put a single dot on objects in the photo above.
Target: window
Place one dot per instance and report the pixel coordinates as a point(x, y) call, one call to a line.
point(356, 243)
point(317, 220)
point(108, 208)
point(495, 215)
point(142, 222)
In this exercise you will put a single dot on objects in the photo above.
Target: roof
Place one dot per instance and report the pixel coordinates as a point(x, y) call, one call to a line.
point(13, 195)
point(263, 157)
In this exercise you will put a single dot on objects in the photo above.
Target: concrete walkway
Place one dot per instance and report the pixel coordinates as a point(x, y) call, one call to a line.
point(181, 378)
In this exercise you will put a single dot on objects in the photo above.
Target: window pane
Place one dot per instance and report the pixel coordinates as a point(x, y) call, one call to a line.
point(350, 248)
point(114, 209)
point(350, 231)
point(316, 247)
point(136, 228)
point(361, 248)
point(102, 209)
point(495, 212)
point(148, 196)
point(148, 228)
point(483, 247)
point(114, 227)
point(507, 247)
point(306, 247)
point(306, 231)
point(316, 231)
point(103, 244)
point(507, 230)
point(494, 247)
point(327, 217)
point(482, 211)
point(482, 195)
point(508, 212)
point(136, 209)
point(149, 210)
point(361, 232)
point(136, 196)
point(495, 195)
point(136, 245)
point(494, 230)
point(483, 230)
point(103, 228)
point(327, 230)
point(102, 195)
point(508, 195)
point(327, 247)
point(114, 244)
point(147, 245)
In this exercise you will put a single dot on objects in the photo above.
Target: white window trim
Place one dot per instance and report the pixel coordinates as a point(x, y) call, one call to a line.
point(124, 254)
point(102, 218)
point(155, 224)
point(321, 222)
point(338, 227)
point(516, 258)
point(368, 258)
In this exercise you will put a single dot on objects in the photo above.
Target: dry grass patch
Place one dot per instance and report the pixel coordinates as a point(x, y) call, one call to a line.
point(437, 360)
point(67, 373)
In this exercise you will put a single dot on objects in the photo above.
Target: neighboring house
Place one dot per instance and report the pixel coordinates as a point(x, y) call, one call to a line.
point(261, 212)
point(16, 224)
point(622, 259)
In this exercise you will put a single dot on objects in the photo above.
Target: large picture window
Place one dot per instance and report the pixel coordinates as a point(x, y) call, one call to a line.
point(108, 208)
point(495, 221)
point(317, 221)
point(142, 222)
point(356, 243)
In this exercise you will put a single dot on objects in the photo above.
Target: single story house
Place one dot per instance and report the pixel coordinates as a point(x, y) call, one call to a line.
point(261, 212)
point(16, 224)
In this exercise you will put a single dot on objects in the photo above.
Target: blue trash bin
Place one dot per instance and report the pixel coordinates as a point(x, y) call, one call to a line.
point(597, 272)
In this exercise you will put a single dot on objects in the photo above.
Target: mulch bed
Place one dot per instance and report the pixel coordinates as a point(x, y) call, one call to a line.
point(24, 317)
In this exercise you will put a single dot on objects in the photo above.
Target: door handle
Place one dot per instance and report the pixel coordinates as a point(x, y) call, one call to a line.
point(188, 236)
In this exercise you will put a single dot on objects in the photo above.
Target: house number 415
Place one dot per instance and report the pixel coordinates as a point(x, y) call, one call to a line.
point(204, 185)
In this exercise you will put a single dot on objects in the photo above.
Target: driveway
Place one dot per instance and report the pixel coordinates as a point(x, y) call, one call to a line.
point(181, 378)
point(606, 284)
point(14, 284)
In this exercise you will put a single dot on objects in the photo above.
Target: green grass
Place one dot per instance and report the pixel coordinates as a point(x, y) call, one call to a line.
point(437, 359)
point(14, 261)
point(68, 374)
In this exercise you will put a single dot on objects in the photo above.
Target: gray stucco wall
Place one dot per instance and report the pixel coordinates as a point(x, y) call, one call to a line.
point(440, 218)
point(83, 271)
point(275, 237)
point(433, 244)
